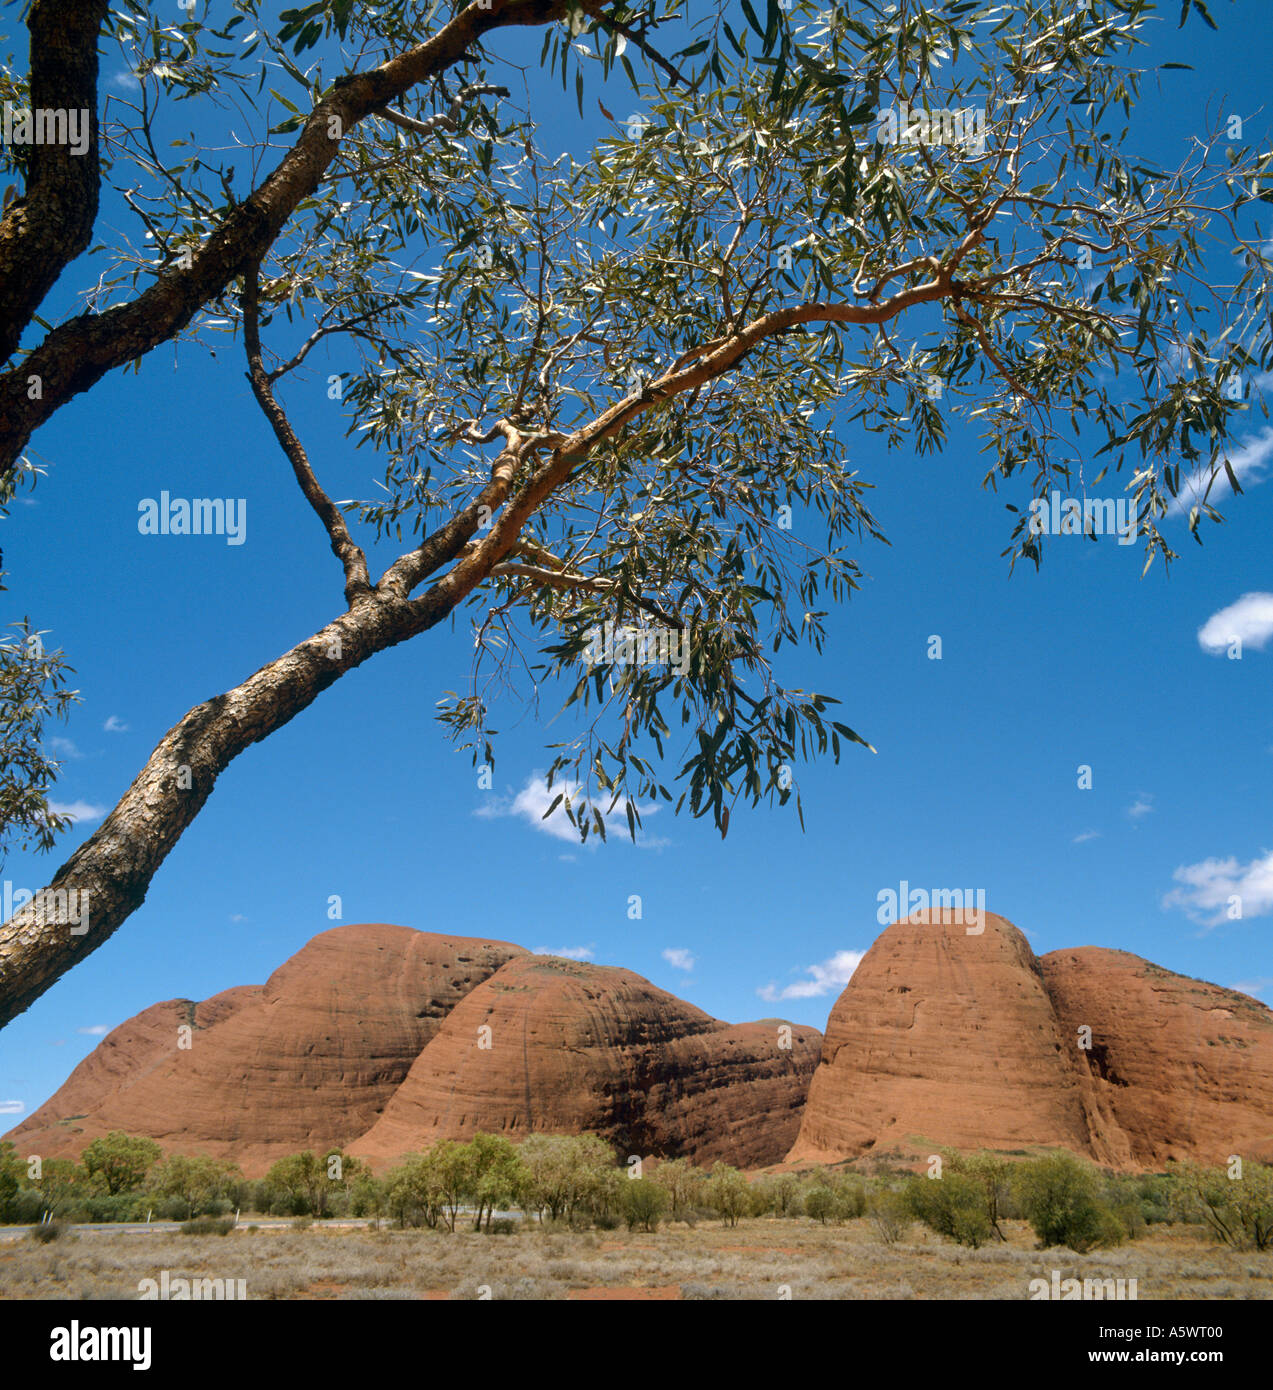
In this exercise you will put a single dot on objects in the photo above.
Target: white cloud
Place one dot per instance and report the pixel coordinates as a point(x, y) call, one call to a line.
point(1207, 888)
point(534, 799)
point(679, 957)
point(237, 917)
point(1247, 463)
point(568, 952)
point(95, 1030)
point(1142, 806)
point(64, 748)
point(1250, 620)
point(11, 1107)
point(1253, 987)
point(115, 725)
point(77, 810)
point(124, 80)
point(832, 974)
point(1086, 836)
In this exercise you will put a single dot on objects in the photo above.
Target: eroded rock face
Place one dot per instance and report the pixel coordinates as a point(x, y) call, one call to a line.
point(942, 1037)
point(1176, 1068)
point(948, 1038)
point(372, 1019)
point(308, 1059)
point(558, 1046)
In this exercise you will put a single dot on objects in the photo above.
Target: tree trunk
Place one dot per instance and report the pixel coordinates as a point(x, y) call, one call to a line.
point(115, 865)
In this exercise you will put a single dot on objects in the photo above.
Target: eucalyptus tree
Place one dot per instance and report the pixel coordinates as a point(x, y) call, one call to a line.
point(611, 390)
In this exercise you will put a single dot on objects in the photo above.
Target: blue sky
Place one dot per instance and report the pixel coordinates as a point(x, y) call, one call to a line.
point(975, 782)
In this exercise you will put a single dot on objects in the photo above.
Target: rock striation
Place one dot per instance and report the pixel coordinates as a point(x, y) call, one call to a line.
point(559, 1046)
point(950, 1037)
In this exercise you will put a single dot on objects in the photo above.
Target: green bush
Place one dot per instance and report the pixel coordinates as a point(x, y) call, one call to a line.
point(890, 1212)
point(208, 1226)
point(502, 1226)
point(643, 1203)
point(121, 1207)
point(1060, 1197)
point(1236, 1203)
point(48, 1230)
point(819, 1203)
point(953, 1205)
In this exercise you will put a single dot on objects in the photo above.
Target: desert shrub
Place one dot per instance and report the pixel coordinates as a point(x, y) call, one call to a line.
point(1060, 1197)
point(643, 1202)
point(28, 1207)
point(819, 1203)
point(1235, 1203)
point(727, 1193)
point(683, 1183)
point(890, 1212)
point(48, 1230)
point(208, 1226)
point(606, 1221)
point(953, 1205)
point(850, 1197)
point(302, 1223)
point(501, 1226)
point(1153, 1191)
point(122, 1207)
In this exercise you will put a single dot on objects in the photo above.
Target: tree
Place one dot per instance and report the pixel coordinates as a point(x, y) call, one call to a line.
point(491, 1176)
point(11, 1175)
point(727, 1193)
point(1059, 1195)
point(63, 1183)
point(612, 402)
point(1235, 1203)
point(643, 1202)
point(196, 1182)
point(683, 1183)
point(562, 1173)
point(120, 1161)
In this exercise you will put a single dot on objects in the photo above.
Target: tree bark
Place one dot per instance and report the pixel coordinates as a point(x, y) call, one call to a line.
point(116, 864)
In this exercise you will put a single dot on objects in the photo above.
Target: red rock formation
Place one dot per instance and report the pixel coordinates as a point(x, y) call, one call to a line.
point(308, 1059)
point(947, 1038)
point(562, 1047)
point(942, 1037)
point(1176, 1068)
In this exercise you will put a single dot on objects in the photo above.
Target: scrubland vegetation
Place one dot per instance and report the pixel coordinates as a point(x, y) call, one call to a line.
point(557, 1216)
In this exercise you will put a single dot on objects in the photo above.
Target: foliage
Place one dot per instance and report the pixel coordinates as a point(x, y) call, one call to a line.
point(644, 1202)
point(727, 1193)
point(120, 1161)
point(1237, 1209)
point(1060, 1196)
point(32, 688)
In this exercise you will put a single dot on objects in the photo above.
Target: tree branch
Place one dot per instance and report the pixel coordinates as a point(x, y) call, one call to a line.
point(350, 555)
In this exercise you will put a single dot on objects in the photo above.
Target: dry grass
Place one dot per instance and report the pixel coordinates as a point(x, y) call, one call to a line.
point(759, 1259)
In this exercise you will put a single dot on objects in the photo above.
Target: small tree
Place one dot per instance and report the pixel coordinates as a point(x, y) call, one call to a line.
point(890, 1213)
point(953, 1205)
point(727, 1193)
point(683, 1183)
point(1060, 1197)
point(195, 1182)
point(819, 1203)
point(643, 1202)
point(1236, 1204)
point(10, 1180)
point(120, 1162)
